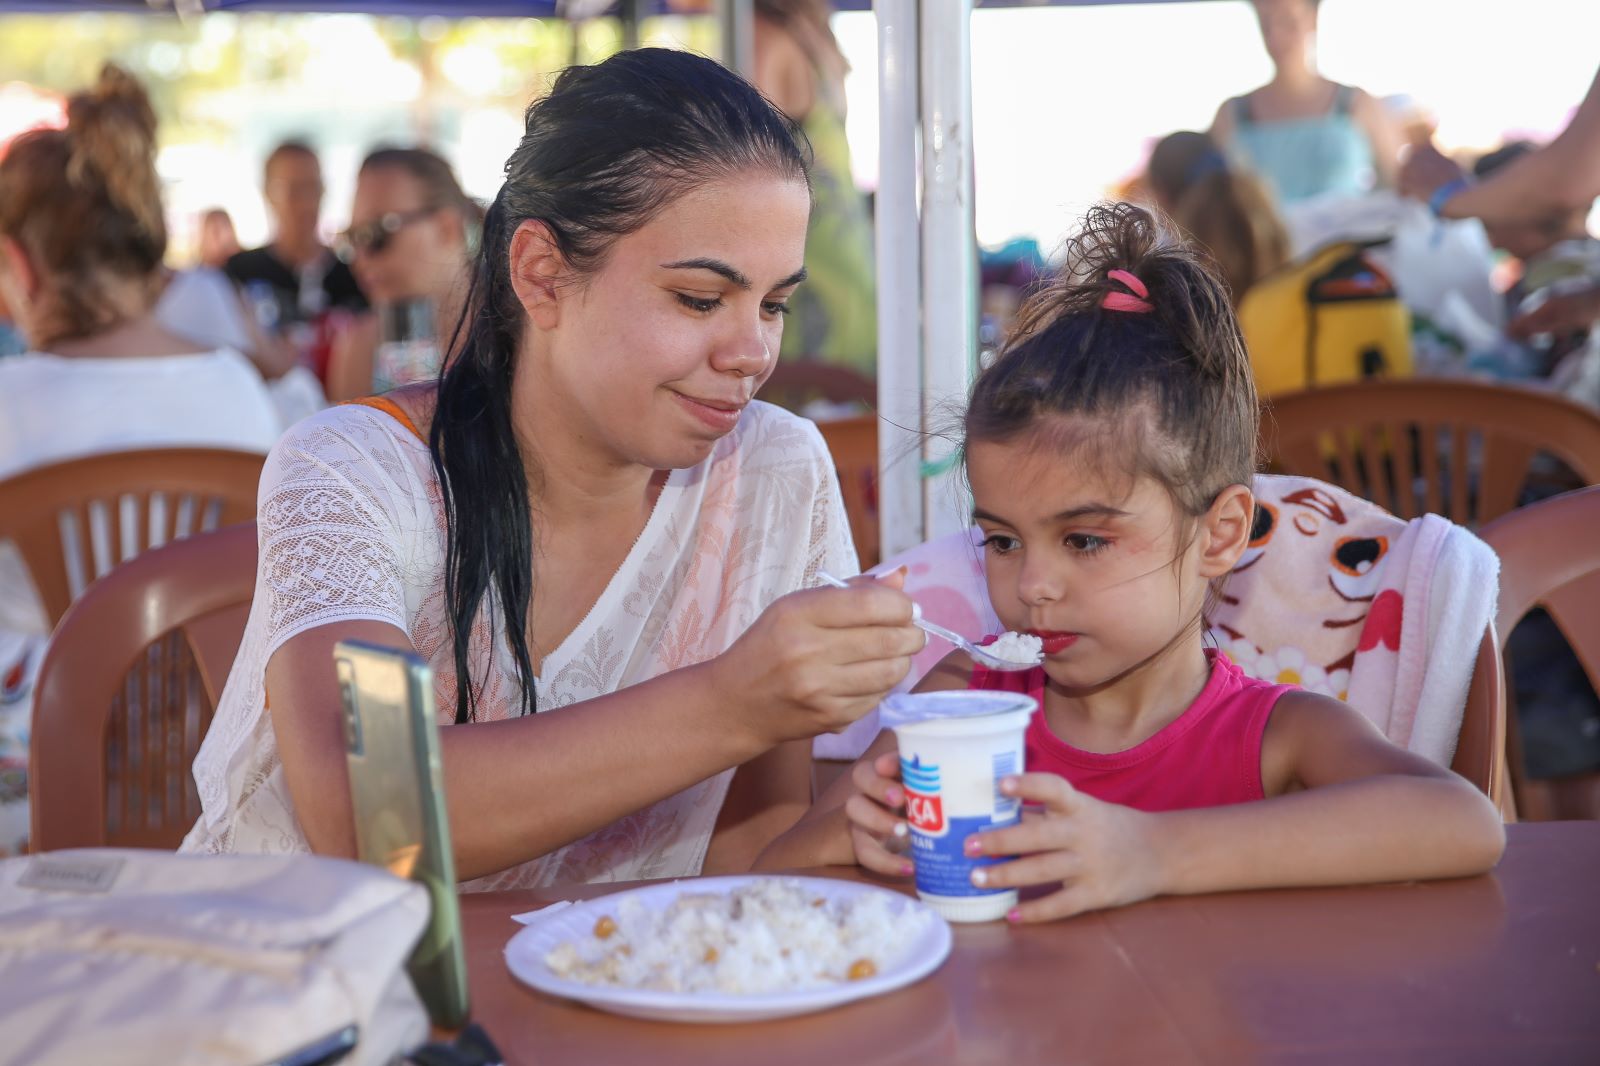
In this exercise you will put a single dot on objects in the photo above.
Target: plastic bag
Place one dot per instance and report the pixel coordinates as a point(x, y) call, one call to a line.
point(127, 956)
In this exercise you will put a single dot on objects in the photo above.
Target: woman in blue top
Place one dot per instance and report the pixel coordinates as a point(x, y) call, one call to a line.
point(1305, 134)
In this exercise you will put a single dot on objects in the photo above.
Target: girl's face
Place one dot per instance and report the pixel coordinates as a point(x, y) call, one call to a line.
point(1091, 564)
point(653, 358)
point(405, 246)
point(1288, 29)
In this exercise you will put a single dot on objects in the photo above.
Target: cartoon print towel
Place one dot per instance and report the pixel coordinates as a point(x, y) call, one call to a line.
point(1340, 597)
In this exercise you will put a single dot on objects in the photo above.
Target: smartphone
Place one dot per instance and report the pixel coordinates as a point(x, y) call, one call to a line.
point(391, 738)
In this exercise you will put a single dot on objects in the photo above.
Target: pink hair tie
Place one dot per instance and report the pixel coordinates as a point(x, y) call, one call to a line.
point(1121, 301)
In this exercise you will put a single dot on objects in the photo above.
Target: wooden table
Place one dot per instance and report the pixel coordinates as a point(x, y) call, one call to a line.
point(1501, 969)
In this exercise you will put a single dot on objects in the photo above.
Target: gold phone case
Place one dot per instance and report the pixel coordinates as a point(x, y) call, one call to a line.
point(397, 796)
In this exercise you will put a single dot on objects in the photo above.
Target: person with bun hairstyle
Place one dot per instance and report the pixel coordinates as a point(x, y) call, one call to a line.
point(82, 239)
point(411, 227)
point(601, 543)
point(1227, 211)
point(1110, 450)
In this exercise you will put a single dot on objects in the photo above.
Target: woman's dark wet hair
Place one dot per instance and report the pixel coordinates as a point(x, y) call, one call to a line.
point(607, 149)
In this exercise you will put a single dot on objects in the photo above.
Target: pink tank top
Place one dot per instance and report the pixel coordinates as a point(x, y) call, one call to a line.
point(1209, 756)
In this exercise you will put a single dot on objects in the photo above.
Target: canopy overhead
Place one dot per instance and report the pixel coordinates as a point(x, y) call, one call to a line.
point(418, 8)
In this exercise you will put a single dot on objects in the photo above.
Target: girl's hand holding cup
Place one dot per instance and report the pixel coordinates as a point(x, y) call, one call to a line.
point(876, 813)
point(1102, 854)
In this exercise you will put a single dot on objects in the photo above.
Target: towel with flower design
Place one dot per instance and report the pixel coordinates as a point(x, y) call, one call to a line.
point(1339, 596)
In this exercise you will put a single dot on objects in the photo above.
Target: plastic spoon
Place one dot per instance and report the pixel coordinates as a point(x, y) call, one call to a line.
point(978, 652)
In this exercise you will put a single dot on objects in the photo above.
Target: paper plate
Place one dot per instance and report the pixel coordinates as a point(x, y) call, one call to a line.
point(525, 955)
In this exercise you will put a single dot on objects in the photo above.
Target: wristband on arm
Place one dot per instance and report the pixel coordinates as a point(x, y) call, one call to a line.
point(1443, 193)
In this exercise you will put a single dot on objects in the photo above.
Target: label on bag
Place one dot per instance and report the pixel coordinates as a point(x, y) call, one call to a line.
point(91, 874)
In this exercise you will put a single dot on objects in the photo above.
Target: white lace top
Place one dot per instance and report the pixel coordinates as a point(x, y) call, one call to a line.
point(351, 526)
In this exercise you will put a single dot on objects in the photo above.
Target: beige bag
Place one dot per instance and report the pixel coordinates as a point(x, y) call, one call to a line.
point(131, 956)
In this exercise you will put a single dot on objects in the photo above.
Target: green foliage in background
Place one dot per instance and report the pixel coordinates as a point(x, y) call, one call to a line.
point(184, 60)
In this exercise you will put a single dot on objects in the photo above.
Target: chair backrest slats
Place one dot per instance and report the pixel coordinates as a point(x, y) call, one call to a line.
point(127, 690)
point(1463, 449)
point(74, 521)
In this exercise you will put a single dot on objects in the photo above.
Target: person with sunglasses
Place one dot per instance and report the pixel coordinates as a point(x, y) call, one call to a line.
point(411, 228)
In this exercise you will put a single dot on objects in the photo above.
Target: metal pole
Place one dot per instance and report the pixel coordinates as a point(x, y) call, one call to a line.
point(949, 254)
point(633, 14)
point(899, 273)
point(737, 21)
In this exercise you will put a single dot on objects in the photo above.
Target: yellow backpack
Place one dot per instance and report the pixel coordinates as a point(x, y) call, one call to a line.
point(1329, 317)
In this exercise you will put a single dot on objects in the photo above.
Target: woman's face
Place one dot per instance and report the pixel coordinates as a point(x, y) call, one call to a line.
point(1288, 29)
point(405, 246)
point(653, 357)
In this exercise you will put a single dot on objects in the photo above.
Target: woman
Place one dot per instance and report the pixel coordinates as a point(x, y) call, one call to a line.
point(81, 244)
point(1227, 211)
point(586, 527)
point(409, 233)
point(1306, 135)
point(82, 239)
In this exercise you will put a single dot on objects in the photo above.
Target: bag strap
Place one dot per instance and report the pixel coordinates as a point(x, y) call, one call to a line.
point(471, 1047)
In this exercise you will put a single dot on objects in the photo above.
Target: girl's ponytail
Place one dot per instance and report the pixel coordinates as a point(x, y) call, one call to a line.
point(1137, 333)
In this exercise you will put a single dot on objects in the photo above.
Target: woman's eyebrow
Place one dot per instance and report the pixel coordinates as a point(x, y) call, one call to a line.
point(716, 266)
point(733, 274)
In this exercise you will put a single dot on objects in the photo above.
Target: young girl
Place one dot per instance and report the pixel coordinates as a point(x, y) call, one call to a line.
point(1110, 449)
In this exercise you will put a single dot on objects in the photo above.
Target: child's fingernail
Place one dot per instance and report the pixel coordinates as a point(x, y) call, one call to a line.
point(974, 846)
point(1013, 915)
point(906, 869)
point(980, 877)
point(894, 796)
point(1008, 785)
point(901, 829)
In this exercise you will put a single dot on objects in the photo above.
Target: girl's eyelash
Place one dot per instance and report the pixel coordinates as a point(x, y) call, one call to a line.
point(1086, 543)
point(1079, 543)
point(999, 543)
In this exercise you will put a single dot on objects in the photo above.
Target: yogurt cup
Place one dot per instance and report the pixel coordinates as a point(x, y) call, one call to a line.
point(955, 747)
